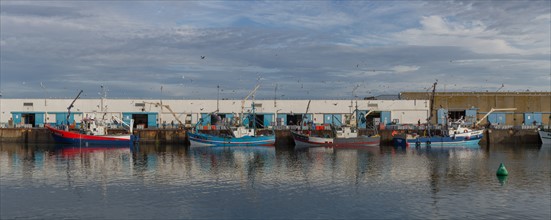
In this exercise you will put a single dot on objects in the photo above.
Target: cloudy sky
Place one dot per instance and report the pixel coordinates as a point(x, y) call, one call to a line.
point(307, 49)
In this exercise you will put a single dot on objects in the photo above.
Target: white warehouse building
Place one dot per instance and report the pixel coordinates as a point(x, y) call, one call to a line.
point(149, 113)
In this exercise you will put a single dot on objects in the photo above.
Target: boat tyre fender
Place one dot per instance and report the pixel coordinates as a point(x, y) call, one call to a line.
point(418, 144)
point(428, 143)
point(465, 131)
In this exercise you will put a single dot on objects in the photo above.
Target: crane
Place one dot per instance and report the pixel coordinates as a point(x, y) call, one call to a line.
point(71, 106)
point(245, 99)
point(180, 125)
point(493, 110)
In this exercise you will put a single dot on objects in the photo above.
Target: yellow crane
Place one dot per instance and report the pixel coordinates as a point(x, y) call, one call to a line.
point(180, 125)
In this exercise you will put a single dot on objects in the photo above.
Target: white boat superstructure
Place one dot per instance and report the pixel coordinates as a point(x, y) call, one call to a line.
point(458, 129)
point(545, 136)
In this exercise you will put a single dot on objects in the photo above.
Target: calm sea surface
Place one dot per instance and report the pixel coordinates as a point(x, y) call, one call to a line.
point(166, 182)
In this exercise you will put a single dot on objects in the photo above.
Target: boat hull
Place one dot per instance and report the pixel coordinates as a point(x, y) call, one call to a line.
point(545, 137)
point(206, 140)
point(401, 141)
point(68, 137)
point(310, 141)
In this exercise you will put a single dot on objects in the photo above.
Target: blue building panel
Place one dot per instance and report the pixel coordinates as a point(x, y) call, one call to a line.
point(282, 119)
point(334, 119)
point(16, 116)
point(39, 119)
point(328, 118)
point(385, 117)
point(151, 120)
point(308, 118)
point(268, 119)
point(442, 115)
point(470, 116)
point(497, 118)
point(337, 119)
point(206, 119)
point(532, 118)
point(360, 118)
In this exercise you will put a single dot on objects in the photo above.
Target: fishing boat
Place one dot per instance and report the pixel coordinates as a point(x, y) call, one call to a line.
point(93, 131)
point(234, 136)
point(464, 139)
point(230, 136)
point(457, 135)
point(341, 137)
point(545, 136)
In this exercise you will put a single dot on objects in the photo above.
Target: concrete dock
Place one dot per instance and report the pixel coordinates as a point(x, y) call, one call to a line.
point(283, 137)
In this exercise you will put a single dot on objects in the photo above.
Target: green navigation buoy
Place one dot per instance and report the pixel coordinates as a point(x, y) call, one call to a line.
point(502, 171)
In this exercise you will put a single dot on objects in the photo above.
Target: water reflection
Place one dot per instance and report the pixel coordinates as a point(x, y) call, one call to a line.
point(427, 182)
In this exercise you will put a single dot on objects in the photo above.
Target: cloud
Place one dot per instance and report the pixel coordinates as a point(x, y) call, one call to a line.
point(311, 50)
point(403, 69)
point(436, 31)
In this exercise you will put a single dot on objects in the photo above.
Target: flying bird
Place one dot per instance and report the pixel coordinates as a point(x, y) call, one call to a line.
point(202, 57)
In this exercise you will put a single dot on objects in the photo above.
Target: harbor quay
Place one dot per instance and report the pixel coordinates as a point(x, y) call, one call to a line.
point(178, 136)
point(508, 117)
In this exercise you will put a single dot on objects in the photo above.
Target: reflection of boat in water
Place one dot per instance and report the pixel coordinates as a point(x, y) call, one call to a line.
point(72, 150)
point(233, 149)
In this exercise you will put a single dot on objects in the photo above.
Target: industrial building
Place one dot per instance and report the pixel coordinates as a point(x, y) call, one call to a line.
point(158, 113)
point(531, 108)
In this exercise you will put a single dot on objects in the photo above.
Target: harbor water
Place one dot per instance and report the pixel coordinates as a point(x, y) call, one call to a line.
point(170, 181)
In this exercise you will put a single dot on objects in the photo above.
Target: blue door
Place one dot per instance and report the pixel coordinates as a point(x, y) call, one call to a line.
point(282, 119)
point(61, 118)
point(152, 120)
point(442, 116)
point(360, 118)
point(39, 119)
point(126, 117)
point(328, 118)
point(497, 118)
point(385, 117)
point(268, 119)
point(470, 116)
point(16, 118)
point(533, 118)
point(337, 119)
point(246, 120)
point(206, 119)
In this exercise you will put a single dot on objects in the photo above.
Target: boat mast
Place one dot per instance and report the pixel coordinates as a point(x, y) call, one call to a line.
point(431, 106)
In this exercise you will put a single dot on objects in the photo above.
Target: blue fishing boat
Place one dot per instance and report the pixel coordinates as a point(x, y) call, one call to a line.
point(228, 136)
point(457, 135)
point(406, 140)
point(236, 136)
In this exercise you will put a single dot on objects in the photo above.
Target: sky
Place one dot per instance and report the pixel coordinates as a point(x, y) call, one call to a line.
point(292, 49)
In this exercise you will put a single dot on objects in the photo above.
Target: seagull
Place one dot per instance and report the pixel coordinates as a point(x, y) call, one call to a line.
point(202, 57)
point(201, 109)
